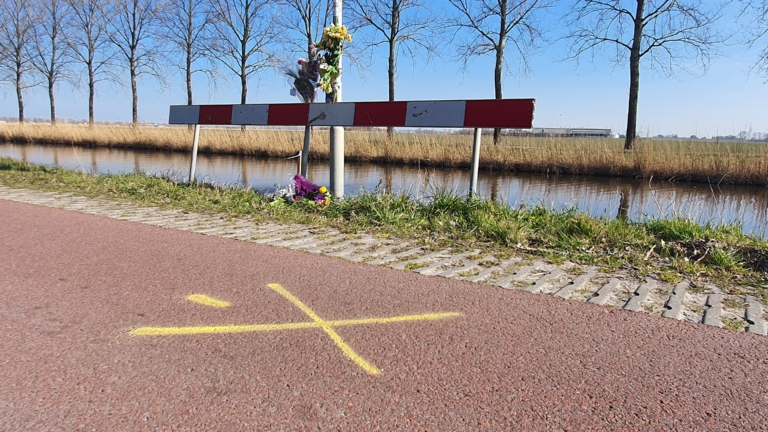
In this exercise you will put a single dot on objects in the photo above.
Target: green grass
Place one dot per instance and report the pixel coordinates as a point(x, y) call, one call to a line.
point(679, 248)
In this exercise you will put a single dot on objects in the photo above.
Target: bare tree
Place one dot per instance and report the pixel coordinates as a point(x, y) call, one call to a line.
point(15, 39)
point(305, 19)
point(50, 52)
point(406, 27)
point(755, 13)
point(245, 32)
point(133, 32)
point(186, 26)
point(657, 34)
point(90, 44)
point(489, 26)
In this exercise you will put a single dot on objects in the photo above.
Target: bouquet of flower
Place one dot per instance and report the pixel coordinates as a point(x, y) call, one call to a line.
point(302, 190)
point(332, 43)
point(306, 76)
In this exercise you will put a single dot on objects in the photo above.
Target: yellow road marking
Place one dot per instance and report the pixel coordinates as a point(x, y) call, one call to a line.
point(316, 322)
point(346, 349)
point(172, 331)
point(208, 301)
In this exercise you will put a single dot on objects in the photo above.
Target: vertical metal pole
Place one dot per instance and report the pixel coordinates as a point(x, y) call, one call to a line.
point(475, 163)
point(337, 132)
point(193, 164)
point(305, 152)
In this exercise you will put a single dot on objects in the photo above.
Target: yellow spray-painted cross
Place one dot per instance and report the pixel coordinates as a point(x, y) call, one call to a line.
point(316, 322)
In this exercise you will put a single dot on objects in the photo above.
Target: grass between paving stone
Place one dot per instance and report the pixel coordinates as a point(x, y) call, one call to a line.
point(672, 249)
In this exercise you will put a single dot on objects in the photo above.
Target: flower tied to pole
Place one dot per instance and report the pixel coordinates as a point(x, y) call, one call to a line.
point(332, 45)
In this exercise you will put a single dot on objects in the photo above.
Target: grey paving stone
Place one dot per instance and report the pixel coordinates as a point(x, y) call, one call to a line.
point(390, 258)
point(430, 269)
point(640, 295)
point(675, 301)
point(424, 258)
point(466, 267)
point(484, 274)
point(754, 316)
point(601, 296)
point(521, 273)
point(383, 249)
point(577, 284)
point(715, 311)
point(544, 280)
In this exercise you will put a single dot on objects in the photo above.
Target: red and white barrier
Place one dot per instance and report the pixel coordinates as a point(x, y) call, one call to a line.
point(477, 114)
point(489, 113)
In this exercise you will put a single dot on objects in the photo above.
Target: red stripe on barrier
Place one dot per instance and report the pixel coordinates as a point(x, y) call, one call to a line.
point(380, 113)
point(215, 114)
point(288, 114)
point(510, 113)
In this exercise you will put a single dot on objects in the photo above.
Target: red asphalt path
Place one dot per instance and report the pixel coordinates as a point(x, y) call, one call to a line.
point(73, 286)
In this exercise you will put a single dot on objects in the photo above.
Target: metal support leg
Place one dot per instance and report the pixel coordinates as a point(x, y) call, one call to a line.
point(475, 163)
point(305, 151)
point(193, 164)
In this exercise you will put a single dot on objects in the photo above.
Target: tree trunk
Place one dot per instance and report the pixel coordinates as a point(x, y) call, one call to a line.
point(135, 94)
point(497, 73)
point(189, 79)
point(394, 28)
point(243, 90)
point(91, 94)
point(634, 77)
point(391, 72)
point(498, 70)
point(53, 102)
point(19, 96)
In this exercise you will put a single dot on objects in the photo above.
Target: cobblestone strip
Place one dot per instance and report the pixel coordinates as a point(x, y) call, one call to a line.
point(577, 284)
point(675, 301)
point(544, 280)
point(397, 256)
point(640, 295)
point(490, 271)
point(440, 265)
point(402, 265)
point(601, 296)
point(712, 315)
point(647, 297)
point(469, 266)
point(521, 273)
point(754, 316)
point(379, 251)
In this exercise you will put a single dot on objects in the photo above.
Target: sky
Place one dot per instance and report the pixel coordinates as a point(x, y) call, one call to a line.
point(724, 100)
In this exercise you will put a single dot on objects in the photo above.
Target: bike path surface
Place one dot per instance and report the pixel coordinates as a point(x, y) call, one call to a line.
point(99, 333)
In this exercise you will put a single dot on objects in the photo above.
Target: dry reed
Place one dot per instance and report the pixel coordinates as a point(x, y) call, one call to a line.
point(727, 162)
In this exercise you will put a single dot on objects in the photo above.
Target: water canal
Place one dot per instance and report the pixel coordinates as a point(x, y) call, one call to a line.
point(597, 196)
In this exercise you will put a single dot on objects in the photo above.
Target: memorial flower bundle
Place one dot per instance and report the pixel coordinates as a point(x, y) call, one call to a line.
point(332, 45)
point(301, 190)
point(306, 190)
point(305, 77)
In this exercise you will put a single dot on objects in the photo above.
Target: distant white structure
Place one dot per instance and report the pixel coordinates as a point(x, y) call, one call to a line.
point(564, 132)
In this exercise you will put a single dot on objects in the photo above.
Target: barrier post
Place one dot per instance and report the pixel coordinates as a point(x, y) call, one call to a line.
point(193, 164)
point(305, 152)
point(475, 163)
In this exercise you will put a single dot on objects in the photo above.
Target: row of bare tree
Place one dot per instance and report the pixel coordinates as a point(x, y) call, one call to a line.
point(46, 42)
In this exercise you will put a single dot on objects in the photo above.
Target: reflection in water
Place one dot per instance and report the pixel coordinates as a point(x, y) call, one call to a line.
point(598, 196)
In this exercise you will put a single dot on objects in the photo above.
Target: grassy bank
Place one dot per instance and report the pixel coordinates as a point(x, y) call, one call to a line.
point(706, 161)
point(672, 250)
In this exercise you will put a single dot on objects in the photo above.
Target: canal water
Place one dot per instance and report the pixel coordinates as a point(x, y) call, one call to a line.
point(597, 196)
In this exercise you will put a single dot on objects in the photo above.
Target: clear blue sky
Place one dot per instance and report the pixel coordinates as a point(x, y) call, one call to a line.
point(723, 101)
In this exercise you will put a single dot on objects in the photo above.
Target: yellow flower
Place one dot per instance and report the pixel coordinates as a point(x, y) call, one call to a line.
point(323, 189)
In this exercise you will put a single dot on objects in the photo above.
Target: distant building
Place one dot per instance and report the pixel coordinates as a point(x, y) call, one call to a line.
point(563, 132)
